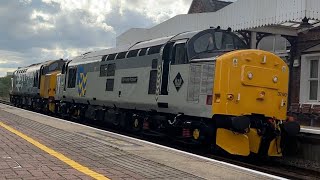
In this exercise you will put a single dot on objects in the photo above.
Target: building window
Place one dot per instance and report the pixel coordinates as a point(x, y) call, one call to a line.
point(109, 84)
point(313, 79)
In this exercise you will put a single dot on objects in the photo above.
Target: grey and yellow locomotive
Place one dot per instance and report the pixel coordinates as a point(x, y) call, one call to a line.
point(202, 87)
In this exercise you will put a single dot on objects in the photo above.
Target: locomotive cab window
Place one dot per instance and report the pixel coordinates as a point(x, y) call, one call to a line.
point(204, 43)
point(53, 67)
point(213, 43)
point(72, 77)
point(179, 54)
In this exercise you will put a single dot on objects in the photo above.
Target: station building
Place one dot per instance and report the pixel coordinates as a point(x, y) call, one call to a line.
point(288, 28)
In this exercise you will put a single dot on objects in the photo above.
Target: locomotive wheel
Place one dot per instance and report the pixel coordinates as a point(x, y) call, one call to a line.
point(136, 124)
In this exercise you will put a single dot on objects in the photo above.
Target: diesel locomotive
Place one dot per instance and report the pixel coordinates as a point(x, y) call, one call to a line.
point(202, 87)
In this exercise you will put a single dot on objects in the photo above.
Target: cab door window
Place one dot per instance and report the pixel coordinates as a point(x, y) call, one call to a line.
point(72, 77)
point(179, 54)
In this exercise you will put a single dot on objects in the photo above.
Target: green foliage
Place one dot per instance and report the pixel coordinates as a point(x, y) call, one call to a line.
point(5, 84)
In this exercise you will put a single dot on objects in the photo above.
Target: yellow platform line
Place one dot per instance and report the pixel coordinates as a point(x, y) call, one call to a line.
point(56, 154)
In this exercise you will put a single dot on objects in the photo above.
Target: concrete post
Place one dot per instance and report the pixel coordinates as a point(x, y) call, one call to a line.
point(253, 41)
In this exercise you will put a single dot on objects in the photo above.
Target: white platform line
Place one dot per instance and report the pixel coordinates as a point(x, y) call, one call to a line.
point(310, 130)
point(161, 146)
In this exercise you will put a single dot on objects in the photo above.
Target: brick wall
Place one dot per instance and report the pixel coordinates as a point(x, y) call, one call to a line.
point(305, 41)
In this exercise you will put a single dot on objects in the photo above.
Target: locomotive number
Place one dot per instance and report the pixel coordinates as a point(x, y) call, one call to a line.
point(282, 94)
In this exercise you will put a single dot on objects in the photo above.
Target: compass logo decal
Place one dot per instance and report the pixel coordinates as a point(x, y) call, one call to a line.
point(178, 81)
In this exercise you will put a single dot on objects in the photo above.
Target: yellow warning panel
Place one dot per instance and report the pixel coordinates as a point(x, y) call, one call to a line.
point(251, 82)
point(233, 143)
point(274, 148)
point(254, 140)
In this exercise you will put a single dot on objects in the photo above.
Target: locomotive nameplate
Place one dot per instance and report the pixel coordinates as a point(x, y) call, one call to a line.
point(127, 80)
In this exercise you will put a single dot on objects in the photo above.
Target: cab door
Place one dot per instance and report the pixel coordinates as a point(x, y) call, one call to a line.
point(174, 67)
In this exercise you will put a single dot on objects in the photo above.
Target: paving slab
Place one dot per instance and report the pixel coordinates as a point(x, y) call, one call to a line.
point(111, 155)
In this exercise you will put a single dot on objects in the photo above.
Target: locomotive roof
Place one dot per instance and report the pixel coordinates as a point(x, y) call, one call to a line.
point(150, 43)
point(34, 67)
point(96, 56)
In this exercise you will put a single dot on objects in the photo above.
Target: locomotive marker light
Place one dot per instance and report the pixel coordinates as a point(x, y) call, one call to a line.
point(275, 79)
point(250, 75)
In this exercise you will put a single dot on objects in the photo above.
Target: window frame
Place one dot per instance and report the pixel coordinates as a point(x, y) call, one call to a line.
point(304, 92)
point(315, 58)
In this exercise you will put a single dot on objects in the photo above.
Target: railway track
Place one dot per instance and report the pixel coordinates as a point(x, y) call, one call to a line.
point(264, 165)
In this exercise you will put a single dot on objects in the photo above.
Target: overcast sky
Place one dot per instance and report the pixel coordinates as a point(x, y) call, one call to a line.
point(38, 30)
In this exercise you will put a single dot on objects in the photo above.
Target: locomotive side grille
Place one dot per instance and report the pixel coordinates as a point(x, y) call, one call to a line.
point(194, 83)
point(200, 81)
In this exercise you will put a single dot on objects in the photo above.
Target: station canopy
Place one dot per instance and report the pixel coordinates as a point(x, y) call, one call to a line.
point(285, 17)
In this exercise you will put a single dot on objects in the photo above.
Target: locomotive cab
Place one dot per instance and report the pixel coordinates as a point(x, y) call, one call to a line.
point(48, 83)
point(245, 90)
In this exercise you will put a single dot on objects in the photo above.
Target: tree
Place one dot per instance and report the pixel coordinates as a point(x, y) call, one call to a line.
point(5, 85)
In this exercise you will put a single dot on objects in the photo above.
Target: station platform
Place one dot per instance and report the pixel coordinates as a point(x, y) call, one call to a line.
point(36, 146)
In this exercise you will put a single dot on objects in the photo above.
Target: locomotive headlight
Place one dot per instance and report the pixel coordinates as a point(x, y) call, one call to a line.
point(250, 75)
point(275, 79)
